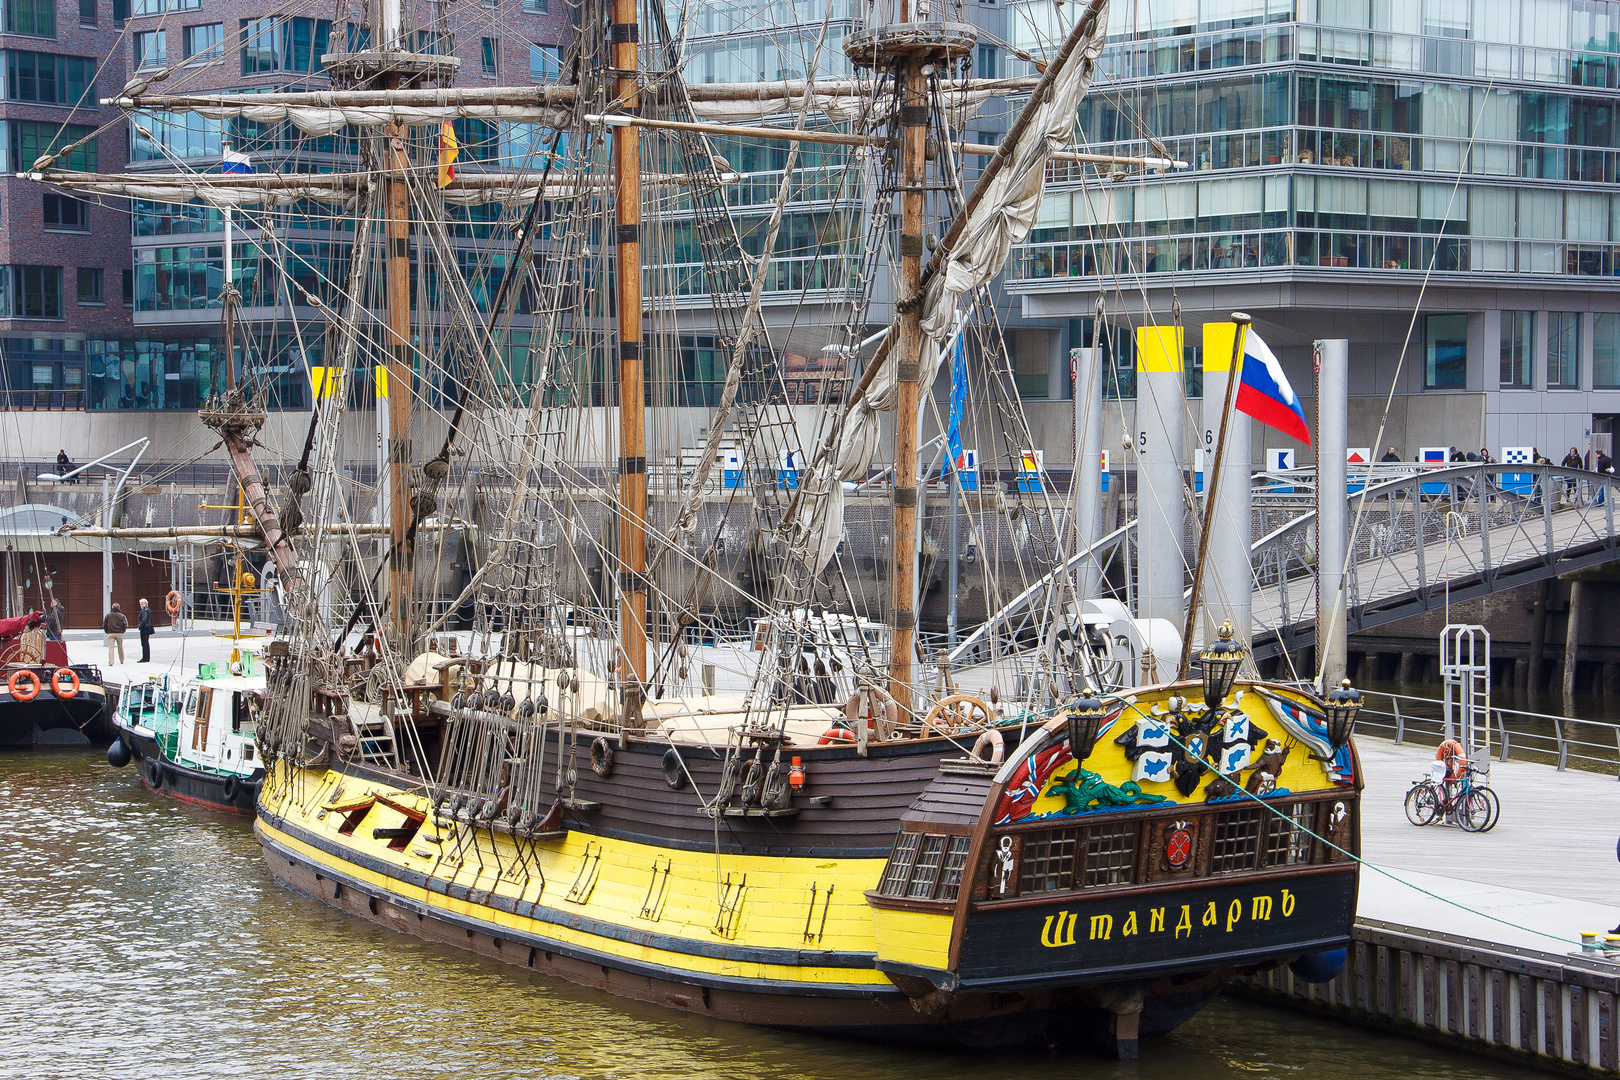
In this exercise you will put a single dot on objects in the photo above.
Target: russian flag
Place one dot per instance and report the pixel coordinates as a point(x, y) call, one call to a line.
point(1265, 394)
point(234, 161)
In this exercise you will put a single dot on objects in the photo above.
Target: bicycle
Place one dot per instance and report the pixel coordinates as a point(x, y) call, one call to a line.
point(1456, 800)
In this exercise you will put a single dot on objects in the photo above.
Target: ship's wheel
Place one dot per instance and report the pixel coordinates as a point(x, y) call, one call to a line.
point(957, 714)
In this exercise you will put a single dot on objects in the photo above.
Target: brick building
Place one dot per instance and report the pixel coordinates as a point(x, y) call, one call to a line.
point(112, 313)
point(64, 263)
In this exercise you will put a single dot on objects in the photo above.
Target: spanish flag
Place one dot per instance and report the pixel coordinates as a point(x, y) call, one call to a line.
point(449, 150)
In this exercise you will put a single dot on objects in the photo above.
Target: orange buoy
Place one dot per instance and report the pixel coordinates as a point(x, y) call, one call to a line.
point(1451, 752)
point(65, 683)
point(23, 685)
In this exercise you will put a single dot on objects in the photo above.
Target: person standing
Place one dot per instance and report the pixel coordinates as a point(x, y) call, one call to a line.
point(63, 464)
point(114, 626)
point(53, 622)
point(1390, 456)
point(146, 632)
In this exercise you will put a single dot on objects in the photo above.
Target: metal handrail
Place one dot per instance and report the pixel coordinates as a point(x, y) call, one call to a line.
point(1565, 744)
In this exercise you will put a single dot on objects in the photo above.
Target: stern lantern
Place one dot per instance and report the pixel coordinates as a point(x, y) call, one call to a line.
point(1221, 660)
point(1086, 716)
point(1343, 704)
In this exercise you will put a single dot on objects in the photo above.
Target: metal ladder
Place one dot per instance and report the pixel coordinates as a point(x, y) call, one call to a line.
point(1465, 672)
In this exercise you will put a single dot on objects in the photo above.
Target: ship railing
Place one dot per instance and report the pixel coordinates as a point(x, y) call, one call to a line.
point(1592, 745)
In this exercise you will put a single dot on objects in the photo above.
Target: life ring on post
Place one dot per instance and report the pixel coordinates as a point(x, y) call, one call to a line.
point(65, 683)
point(601, 757)
point(990, 739)
point(172, 602)
point(1456, 758)
point(838, 733)
point(20, 692)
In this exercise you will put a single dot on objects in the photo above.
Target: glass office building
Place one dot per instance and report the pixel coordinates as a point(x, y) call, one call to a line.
point(1342, 157)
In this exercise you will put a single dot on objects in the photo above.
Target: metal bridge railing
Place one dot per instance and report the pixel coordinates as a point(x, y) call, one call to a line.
point(1467, 528)
point(1590, 744)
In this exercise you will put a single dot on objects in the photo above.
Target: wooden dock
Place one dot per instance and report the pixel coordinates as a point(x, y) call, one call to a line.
point(1476, 937)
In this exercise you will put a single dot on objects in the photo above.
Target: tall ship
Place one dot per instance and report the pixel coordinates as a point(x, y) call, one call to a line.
point(812, 824)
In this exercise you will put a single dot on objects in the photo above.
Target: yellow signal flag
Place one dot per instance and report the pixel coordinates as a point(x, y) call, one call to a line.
point(324, 381)
point(382, 381)
point(449, 151)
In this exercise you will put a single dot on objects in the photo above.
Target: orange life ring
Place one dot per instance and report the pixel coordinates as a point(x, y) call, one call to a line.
point(172, 602)
point(65, 683)
point(1456, 758)
point(838, 733)
point(19, 694)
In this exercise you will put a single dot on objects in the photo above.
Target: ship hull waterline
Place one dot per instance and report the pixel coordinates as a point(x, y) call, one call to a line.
point(175, 781)
point(847, 994)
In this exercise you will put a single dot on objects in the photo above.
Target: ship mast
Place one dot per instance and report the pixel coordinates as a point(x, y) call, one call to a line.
point(901, 38)
point(389, 65)
point(623, 35)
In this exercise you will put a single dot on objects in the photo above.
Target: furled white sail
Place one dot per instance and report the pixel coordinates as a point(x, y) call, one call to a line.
point(224, 189)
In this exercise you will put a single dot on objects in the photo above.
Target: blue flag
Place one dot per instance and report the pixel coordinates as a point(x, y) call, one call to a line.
point(953, 435)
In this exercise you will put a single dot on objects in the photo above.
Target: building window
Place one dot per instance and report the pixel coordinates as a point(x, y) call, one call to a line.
point(120, 12)
point(33, 292)
point(65, 213)
point(49, 79)
point(158, 7)
point(1032, 359)
point(283, 44)
point(545, 63)
point(1606, 352)
point(87, 12)
point(489, 55)
point(91, 280)
point(538, 7)
point(1445, 363)
point(26, 140)
point(986, 62)
point(205, 44)
point(1516, 349)
point(151, 49)
point(1563, 350)
point(129, 286)
point(36, 17)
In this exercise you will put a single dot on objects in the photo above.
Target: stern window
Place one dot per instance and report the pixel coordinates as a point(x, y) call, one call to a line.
point(1111, 854)
point(898, 872)
point(950, 878)
point(1048, 862)
point(1289, 842)
point(926, 871)
point(1237, 840)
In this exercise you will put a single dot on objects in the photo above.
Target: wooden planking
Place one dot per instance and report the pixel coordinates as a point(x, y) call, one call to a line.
point(1548, 1006)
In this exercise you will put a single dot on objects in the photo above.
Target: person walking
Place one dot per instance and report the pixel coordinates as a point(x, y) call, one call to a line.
point(1605, 464)
point(1572, 484)
point(114, 626)
point(146, 632)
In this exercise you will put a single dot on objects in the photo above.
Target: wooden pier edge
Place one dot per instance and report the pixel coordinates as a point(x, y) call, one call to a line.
point(1543, 1009)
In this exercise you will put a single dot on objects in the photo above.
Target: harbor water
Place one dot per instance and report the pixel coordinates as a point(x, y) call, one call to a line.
point(143, 938)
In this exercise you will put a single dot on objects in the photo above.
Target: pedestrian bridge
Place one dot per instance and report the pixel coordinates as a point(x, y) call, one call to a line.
point(1419, 536)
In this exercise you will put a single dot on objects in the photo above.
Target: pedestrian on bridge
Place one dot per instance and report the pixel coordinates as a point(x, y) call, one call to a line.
point(1390, 457)
point(1572, 484)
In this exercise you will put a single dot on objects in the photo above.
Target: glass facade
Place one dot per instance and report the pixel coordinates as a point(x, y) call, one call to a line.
point(1471, 136)
point(1517, 351)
